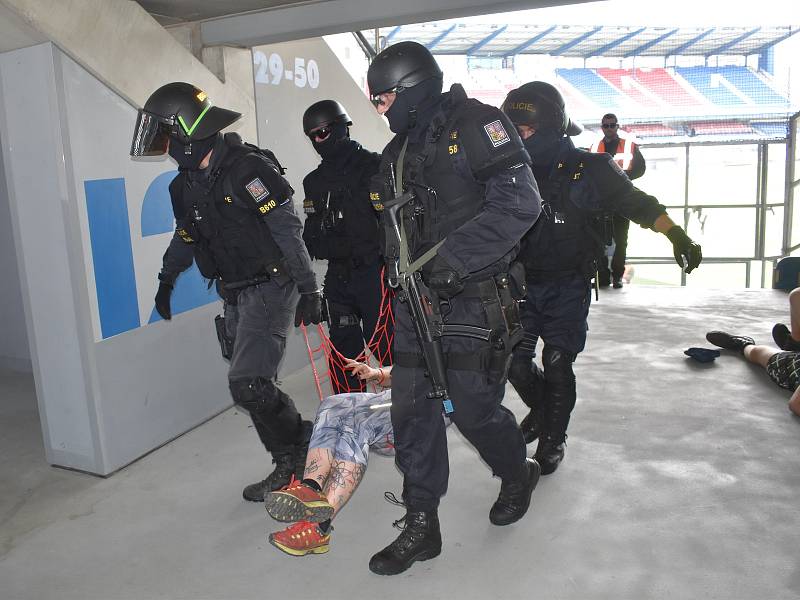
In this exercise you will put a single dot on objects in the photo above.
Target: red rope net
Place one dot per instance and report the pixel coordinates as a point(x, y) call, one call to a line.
point(377, 351)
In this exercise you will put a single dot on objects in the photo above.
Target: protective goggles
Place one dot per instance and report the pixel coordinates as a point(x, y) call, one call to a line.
point(151, 134)
point(320, 134)
point(378, 101)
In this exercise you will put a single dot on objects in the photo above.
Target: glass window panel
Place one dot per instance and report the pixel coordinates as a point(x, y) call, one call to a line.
point(796, 149)
point(795, 237)
point(665, 174)
point(725, 275)
point(769, 273)
point(755, 274)
point(723, 174)
point(776, 173)
point(773, 231)
point(646, 243)
point(656, 274)
point(724, 232)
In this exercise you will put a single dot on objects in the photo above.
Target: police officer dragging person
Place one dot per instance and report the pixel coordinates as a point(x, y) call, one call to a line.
point(342, 227)
point(559, 254)
point(234, 209)
point(622, 146)
point(457, 195)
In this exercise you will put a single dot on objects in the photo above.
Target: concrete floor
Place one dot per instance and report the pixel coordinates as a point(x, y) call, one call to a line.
point(681, 480)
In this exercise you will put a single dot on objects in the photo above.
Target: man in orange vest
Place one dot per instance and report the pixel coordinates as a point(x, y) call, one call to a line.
point(626, 154)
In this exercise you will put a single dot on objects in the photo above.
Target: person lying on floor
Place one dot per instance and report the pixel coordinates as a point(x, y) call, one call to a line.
point(347, 426)
point(782, 367)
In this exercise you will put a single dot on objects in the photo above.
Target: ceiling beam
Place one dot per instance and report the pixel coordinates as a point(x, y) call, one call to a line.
point(599, 51)
point(575, 42)
point(432, 44)
point(651, 43)
point(320, 17)
point(473, 49)
point(525, 45)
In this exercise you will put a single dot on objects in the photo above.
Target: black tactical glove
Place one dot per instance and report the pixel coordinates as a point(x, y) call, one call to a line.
point(687, 253)
point(163, 295)
point(444, 280)
point(309, 309)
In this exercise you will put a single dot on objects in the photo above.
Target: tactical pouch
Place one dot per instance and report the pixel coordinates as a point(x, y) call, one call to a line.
point(225, 342)
point(517, 284)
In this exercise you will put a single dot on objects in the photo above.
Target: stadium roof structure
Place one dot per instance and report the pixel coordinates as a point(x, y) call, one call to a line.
point(585, 41)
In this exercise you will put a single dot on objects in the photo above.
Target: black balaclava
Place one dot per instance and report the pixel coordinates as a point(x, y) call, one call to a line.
point(197, 151)
point(543, 146)
point(402, 114)
point(335, 143)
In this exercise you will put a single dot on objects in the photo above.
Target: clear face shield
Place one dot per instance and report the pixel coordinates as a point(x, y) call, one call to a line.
point(151, 135)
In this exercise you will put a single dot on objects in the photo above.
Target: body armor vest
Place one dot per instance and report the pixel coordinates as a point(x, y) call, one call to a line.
point(230, 240)
point(347, 224)
point(444, 199)
point(567, 238)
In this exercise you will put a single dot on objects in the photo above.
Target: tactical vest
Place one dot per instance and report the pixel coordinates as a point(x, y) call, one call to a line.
point(568, 237)
point(230, 240)
point(444, 200)
point(345, 227)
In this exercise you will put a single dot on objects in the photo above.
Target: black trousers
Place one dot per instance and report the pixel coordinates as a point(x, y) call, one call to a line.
point(260, 323)
point(353, 295)
point(419, 427)
point(621, 226)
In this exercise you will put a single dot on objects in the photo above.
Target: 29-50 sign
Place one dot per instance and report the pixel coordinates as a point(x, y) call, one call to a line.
point(273, 70)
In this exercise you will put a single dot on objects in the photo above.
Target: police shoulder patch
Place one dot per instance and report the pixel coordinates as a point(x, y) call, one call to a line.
point(497, 133)
point(308, 206)
point(257, 189)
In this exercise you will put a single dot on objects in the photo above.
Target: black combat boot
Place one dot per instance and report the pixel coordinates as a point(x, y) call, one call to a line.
point(560, 394)
point(419, 540)
point(550, 452)
point(284, 469)
point(783, 337)
point(736, 343)
point(515, 495)
point(531, 426)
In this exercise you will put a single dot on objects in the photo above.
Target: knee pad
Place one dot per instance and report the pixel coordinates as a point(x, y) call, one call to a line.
point(528, 380)
point(557, 364)
point(256, 395)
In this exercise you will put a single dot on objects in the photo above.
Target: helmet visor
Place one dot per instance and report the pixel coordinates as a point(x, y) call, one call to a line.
point(150, 136)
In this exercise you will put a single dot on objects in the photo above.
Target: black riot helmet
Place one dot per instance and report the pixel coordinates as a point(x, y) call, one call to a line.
point(177, 111)
point(402, 65)
point(539, 105)
point(324, 112)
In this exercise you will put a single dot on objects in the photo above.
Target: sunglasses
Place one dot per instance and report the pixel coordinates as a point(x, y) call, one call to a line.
point(320, 134)
point(610, 125)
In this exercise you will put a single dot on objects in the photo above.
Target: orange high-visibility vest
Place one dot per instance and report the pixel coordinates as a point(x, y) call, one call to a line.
point(624, 155)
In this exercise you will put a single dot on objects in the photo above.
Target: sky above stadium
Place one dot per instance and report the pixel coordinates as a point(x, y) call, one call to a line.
point(687, 13)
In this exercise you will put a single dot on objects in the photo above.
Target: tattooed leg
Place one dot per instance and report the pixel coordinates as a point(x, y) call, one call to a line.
point(318, 465)
point(342, 482)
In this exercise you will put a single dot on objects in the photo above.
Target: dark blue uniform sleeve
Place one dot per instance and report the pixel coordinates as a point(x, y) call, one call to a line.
point(178, 257)
point(618, 194)
point(511, 207)
point(258, 179)
point(312, 228)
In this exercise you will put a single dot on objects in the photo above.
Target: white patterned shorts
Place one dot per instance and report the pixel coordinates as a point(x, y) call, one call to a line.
point(351, 424)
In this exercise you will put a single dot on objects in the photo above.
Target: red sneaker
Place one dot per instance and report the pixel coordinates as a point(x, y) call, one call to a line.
point(301, 538)
point(296, 502)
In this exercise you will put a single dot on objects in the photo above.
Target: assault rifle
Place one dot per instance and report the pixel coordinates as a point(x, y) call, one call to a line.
point(425, 314)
